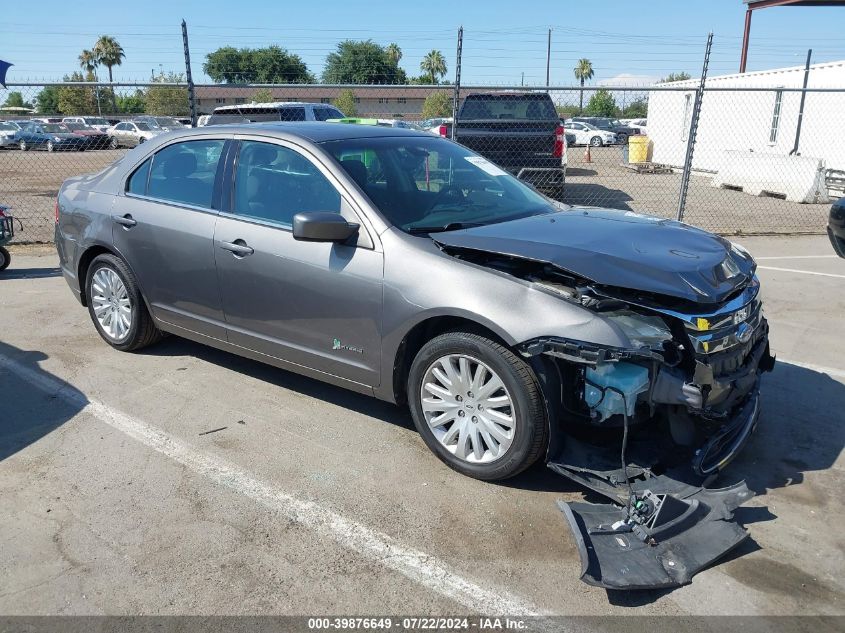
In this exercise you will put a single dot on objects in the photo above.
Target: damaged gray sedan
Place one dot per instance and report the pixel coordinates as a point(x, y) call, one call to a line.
point(623, 349)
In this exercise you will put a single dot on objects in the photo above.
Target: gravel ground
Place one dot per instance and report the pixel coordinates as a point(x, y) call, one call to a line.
point(184, 480)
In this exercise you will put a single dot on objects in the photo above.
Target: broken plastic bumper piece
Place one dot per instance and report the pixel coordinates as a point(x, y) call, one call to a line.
point(681, 536)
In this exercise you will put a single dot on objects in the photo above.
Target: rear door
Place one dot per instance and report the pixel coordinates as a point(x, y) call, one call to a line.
point(163, 226)
point(316, 305)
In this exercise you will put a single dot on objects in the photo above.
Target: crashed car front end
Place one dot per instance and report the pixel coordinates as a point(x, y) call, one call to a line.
point(649, 423)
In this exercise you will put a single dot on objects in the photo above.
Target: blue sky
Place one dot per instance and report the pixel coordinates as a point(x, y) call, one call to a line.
point(628, 42)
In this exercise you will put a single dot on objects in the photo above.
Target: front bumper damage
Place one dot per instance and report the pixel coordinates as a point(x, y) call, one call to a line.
point(695, 415)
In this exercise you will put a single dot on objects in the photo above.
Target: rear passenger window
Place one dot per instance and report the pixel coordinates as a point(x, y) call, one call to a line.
point(291, 114)
point(275, 183)
point(137, 183)
point(185, 172)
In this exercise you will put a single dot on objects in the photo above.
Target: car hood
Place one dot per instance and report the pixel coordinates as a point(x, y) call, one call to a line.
point(61, 135)
point(619, 249)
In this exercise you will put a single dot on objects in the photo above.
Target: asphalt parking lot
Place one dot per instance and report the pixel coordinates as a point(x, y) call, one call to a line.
point(183, 480)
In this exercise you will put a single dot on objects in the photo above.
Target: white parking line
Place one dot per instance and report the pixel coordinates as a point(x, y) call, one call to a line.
point(830, 371)
point(798, 257)
point(414, 564)
point(803, 272)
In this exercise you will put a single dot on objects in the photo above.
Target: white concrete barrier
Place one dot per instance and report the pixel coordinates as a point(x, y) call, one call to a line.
point(799, 178)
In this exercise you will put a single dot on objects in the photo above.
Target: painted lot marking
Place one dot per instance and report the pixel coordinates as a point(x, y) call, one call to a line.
point(798, 257)
point(416, 565)
point(830, 371)
point(803, 272)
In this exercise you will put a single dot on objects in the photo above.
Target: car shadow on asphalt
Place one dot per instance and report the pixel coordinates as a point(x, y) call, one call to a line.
point(29, 406)
point(30, 273)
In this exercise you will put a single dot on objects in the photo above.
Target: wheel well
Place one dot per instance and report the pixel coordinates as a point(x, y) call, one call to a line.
point(84, 262)
point(419, 335)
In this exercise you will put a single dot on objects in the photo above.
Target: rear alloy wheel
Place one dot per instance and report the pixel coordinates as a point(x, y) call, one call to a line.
point(596, 141)
point(50, 146)
point(5, 258)
point(24, 147)
point(116, 305)
point(477, 406)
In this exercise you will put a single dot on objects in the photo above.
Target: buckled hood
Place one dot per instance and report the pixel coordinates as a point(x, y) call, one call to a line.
point(618, 248)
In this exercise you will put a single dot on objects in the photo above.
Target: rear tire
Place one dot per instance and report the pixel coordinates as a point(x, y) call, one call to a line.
point(5, 258)
point(104, 298)
point(478, 406)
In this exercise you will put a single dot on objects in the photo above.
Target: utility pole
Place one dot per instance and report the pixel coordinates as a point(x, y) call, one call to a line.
point(191, 97)
point(457, 81)
point(548, 57)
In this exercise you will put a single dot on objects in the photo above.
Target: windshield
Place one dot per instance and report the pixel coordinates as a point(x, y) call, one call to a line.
point(426, 185)
point(96, 121)
point(75, 126)
point(142, 125)
point(167, 122)
point(7, 126)
point(54, 128)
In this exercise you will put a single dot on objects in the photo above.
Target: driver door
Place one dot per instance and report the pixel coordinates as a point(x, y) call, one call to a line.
point(316, 305)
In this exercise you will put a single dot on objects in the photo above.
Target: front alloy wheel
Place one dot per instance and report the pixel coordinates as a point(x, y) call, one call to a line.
point(50, 146)
point(468, 408)
point(477, 405)
point(596, 141)
point(23, 146)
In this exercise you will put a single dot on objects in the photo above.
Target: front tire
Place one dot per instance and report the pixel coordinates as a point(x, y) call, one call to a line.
point(50, 146)
point(24, 147)
point(113, 144)
point(477, 405)
point(116, 306)
point(5, 258)
point(596, 141)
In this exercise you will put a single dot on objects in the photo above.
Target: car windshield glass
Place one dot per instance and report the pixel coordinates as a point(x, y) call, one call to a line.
point(589, 126)
point(54, 128)
point(518, 107)
point(426, 185)
point(166, 122)
point(144, 127)
point(74, 126)
point(7, 126)
point(97, 121)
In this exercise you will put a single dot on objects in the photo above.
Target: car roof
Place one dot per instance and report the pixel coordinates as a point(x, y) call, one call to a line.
point(314, 131)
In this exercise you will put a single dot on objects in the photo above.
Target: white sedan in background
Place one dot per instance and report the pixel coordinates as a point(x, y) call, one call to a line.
point(586, 134)
point(7, 133)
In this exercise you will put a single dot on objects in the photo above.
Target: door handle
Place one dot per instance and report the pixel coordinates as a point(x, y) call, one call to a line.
point(237, 248)
point(127, 221)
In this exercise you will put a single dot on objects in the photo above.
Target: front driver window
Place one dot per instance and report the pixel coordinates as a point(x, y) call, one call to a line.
point(185, 172)
point(275, 183)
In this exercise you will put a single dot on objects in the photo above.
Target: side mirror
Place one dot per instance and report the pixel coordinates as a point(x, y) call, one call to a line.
point(322, 226)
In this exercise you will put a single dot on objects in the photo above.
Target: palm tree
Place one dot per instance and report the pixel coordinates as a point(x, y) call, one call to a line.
point(88, 61)
point(583, 72)
point(433, 65)
point(109, 53)
point(394, 53)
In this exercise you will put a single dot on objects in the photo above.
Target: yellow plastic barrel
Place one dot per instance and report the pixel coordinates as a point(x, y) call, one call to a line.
point(638, 148)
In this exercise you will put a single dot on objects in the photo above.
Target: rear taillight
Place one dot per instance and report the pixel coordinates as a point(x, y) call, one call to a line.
point(443, 131)
point(2, 212)
point(57, 210)
point(560, 142)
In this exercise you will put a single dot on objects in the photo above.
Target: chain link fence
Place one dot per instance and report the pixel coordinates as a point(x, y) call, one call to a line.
point(766, 159)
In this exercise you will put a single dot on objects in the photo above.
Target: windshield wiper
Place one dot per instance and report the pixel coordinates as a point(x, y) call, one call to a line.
point(451, 226)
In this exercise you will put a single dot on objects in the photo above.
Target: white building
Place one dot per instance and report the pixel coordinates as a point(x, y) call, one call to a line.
point(747, 137)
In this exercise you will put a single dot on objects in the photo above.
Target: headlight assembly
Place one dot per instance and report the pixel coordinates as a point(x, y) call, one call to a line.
point(643, 331)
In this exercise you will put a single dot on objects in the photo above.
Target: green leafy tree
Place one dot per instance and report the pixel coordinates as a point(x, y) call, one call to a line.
point(269, 65)
point(167, 100)
point(345, 102)
point(681, 76)
point(583, 72)
point(15, 100)
point(47, 101)
point(437, 104)
point(602, 103)
point(131, 104)
point(567, 110)
point(264, 95)
point(361, 63)
point(637, 109)
point(77, 100)
point(433, 66)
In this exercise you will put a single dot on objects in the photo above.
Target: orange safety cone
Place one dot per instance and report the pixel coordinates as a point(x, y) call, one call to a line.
point(587, 158)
